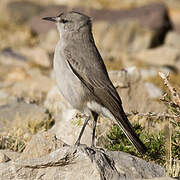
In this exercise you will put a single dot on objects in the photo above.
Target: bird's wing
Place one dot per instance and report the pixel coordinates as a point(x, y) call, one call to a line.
point(90, 69)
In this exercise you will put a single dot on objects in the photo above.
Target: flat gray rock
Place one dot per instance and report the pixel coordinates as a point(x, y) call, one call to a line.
point(79, 163)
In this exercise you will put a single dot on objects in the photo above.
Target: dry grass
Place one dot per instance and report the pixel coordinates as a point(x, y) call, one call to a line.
point(12, 143)
point(21, 130)
point(157, 80)
point(172, 100)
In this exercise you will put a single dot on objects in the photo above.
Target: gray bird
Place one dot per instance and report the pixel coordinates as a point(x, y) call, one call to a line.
point(82, 77)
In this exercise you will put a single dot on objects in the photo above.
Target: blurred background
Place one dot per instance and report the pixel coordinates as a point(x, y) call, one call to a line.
point(136, 38)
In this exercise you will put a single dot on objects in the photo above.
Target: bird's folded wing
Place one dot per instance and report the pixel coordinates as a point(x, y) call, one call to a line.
point(93, 74)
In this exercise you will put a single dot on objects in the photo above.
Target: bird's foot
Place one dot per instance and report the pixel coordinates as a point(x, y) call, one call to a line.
point(78, 144)
point(97, 148)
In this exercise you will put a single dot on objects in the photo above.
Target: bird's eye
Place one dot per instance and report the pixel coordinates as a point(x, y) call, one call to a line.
point(64, 21)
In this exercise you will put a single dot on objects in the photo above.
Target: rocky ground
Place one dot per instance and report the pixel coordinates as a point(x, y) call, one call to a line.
point(38, 127)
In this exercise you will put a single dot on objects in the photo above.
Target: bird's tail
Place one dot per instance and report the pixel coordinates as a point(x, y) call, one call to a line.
point(127, 128)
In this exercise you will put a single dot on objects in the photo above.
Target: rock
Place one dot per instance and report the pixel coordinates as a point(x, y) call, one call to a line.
point(21, 12)
point(71, 162)
point(11, 70)
point(36, 55)
point(125, 36)
point(40, 145)
point(55, 102)
point(160, 56)
point(135, 96)
point(19, 115)
point(119, 78)
point(153, 91)
point(162, 178)
point(153, 71)
point(173, 39)
point(150, 72)
point(123, 78)
point(34, 87)
point(145, 15)
point(175, 16)
point(5, 98)
point(136, 166)
point(173, 4)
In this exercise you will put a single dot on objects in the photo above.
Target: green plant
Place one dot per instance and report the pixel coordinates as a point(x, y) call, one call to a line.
point(117, 141)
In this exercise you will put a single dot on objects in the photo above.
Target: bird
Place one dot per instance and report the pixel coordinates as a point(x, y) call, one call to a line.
point(82, 77)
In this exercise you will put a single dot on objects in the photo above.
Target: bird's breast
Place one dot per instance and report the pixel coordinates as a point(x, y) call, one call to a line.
point(68, 83)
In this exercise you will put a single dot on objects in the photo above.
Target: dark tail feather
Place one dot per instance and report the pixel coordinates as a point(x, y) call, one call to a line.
point(127, 128)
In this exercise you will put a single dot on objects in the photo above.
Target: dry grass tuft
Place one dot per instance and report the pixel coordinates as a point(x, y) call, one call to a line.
point(21, 130)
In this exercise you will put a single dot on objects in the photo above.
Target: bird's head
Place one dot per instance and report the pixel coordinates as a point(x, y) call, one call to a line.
point(71, 22)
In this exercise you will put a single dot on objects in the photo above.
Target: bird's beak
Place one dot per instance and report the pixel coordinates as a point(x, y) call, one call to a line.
point(53, 19)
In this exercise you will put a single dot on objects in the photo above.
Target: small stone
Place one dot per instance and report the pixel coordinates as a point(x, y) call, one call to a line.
point(160, 56)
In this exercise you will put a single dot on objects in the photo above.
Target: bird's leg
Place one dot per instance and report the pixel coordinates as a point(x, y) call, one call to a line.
point(77, 143)
point(95, 116)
